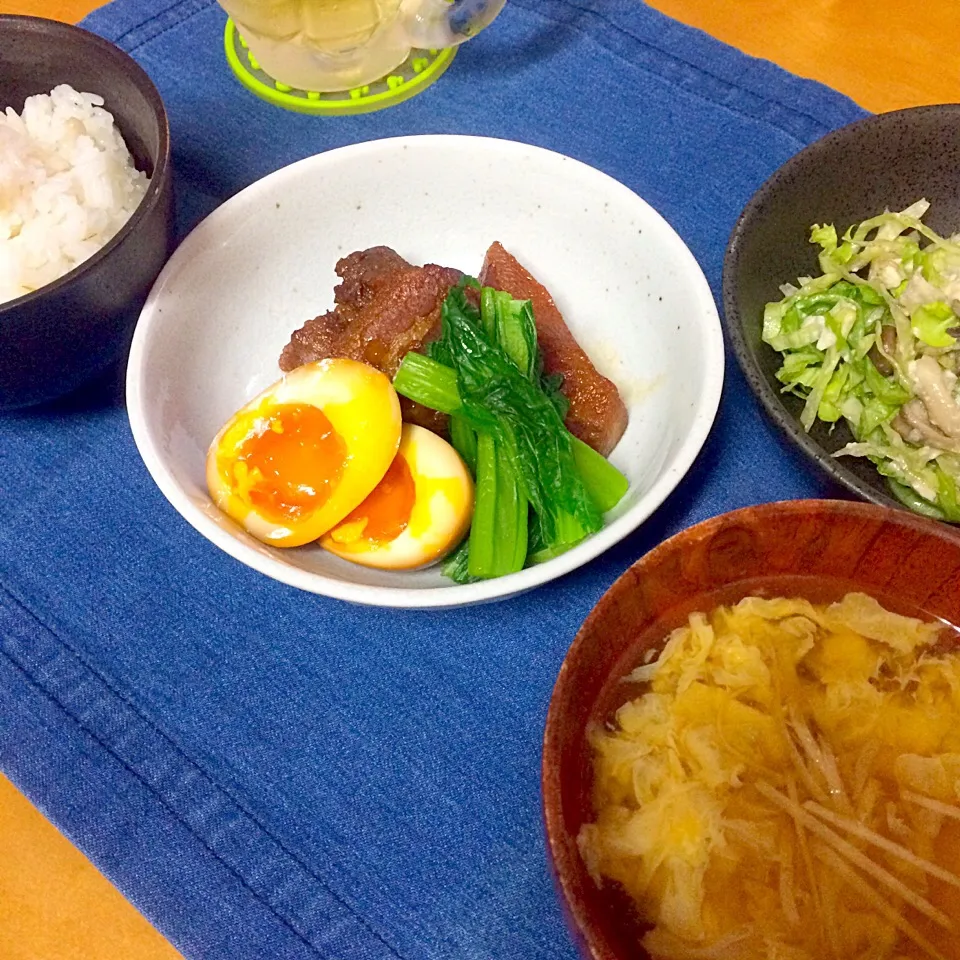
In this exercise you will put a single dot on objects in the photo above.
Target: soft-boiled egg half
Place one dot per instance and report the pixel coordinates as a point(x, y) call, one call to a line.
point(304, 453)
point(416, 515)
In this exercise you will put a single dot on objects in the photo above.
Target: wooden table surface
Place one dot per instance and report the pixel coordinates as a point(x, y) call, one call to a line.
point(885, 54)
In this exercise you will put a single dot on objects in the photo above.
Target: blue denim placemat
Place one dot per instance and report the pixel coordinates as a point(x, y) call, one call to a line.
point(266, 773)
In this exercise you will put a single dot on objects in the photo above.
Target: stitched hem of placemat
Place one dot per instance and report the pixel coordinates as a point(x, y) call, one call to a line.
point(205, 809)
point(162, 21)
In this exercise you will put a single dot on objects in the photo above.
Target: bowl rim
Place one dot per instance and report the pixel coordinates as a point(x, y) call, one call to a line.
point(458, 594)
point(759, 387)
point(161, 167)
point(558, 842)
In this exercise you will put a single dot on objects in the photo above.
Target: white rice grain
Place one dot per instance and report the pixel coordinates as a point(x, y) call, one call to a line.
point(67, 186)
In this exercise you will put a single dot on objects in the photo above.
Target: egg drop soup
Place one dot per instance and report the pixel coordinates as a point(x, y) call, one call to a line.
point(788, 786)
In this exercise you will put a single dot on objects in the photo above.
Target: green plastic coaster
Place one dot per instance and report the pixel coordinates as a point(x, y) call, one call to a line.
point(415, 74)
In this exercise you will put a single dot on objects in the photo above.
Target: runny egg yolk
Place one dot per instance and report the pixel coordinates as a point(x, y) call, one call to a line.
point(416, 515)
point(385, 514)
point(291, 463)
point(298, 458)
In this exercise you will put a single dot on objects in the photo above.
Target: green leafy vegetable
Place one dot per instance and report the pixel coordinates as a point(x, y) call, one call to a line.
point(604, 482)
point(913, 501)
point(483, 531)
point(455, 566)
point(428, 382)
point(496, 396)
point(464, 440)
point(539, 490)
point(510, 324)
point(931, 321)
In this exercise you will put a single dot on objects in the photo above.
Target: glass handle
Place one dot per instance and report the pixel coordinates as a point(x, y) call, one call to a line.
point(434, 24)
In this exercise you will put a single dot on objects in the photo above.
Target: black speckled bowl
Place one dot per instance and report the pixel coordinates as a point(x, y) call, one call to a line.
point(56, 338)
point(885, 161)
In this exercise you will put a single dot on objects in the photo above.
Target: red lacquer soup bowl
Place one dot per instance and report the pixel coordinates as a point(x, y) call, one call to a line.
point(816, 549)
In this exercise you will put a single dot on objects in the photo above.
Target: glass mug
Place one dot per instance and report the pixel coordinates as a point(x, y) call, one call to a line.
point(328, 45)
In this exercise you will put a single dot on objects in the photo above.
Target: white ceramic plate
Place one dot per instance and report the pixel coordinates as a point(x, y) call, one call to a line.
point(213, 327)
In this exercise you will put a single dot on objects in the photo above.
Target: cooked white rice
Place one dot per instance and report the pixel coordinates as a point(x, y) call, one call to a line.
point(67, 185)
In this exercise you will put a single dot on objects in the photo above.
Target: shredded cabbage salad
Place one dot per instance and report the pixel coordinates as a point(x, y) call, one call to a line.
point(875, 341)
